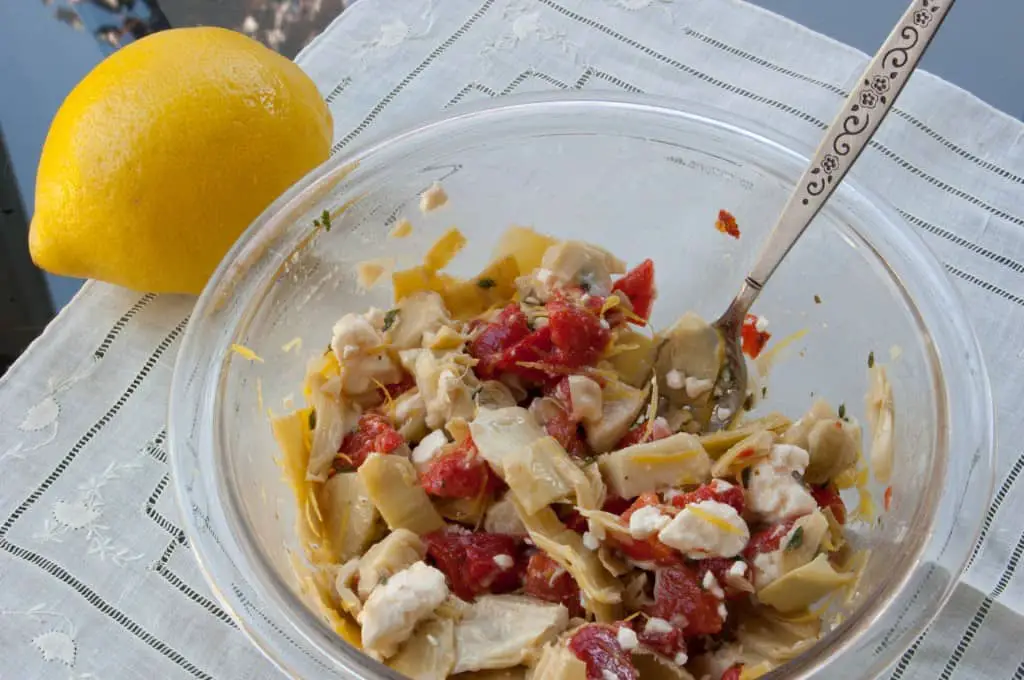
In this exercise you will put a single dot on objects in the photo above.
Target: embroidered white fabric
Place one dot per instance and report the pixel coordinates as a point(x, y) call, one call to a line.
point(97, 580)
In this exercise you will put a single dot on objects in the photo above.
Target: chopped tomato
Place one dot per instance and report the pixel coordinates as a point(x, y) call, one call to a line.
point(467, 560)
point(714, 491)
point(642, 501)
point(461, 473)
point(638, 286)
point(578, 523)
point(616, 505)
point(393, 390)
point(827, 496)
point(753, 340)
point(726, 224)
point(678, 597)
point(767, 540)
point(567, 433)
point(373, 434)
point(649, 549)
point(720, 566)
point(535, 348)
point(576, 333)
point(491, 343)
point(547, 580)
point(667, 643)
point(886, 498)
point(597, 646)
point(733, 672)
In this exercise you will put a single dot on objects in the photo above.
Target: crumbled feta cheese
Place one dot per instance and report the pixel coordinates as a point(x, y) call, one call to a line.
point(706, 529)
point(695, 387)
point(596, 529)
point(720, 485)
point(655, 625)
point(681, 659)
point(646, 522)
point(675, 379)
point(723, 414)
point(433, 198)
point(723, 612)
point(590, 541)
point(394, 608)
point(767, 567)
point(761, 325)
point(428, 449)
point(711, 585)
point(738, 568)
point(356, 343)
point(432, 640)
point(504, 561)
point(608, 675)
point(627, 639)
point(774, 494)
point(671, 494)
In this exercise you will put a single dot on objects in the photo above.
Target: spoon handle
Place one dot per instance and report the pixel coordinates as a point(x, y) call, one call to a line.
point(862, 113)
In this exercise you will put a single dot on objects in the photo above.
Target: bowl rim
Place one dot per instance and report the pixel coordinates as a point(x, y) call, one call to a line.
point(251, 244)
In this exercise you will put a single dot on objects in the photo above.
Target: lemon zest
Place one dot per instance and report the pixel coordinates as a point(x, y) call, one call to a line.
point(657, 459)
point(246, 353)
point(402, 228)
point(713, 520)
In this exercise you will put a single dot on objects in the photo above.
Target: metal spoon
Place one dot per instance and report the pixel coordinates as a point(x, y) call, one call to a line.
point(862, 113)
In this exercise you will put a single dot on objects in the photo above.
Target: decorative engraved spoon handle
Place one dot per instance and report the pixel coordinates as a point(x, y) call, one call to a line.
point(852, 129)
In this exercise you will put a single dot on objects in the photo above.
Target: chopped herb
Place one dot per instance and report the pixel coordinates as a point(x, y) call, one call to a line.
point(325, 220)
point(796, 540)
point(312, 419)
point(745, 477)
point(797, 476)
point(487, 283)
point(748, 403)
point(871, 359)
point(842, 411)
point(817, 299)
point(328, 350)
point(764, 391)
point(384, 580)
point(389, 319)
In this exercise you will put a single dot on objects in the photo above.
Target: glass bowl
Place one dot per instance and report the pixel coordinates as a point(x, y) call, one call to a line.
point(645, 178)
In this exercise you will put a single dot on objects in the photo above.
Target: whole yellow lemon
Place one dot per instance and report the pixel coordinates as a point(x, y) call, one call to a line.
point(164, 154)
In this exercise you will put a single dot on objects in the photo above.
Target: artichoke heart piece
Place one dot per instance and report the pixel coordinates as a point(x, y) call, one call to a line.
point(633, 357)
point(430, 653)
point(350, 516)
point(397, 551)
point(620, 406)
point(802, 587)
point(566, 548)
point(557, 662)
point(393, 487)
point(670, 462)
point(719, 442)
point(500, 631)
point(543, 473)
point(743, 454)
point(691, 348)
point(502, 433)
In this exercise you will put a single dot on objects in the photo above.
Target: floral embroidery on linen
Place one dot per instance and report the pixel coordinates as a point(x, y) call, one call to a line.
point(84, 514)
point(526, 26)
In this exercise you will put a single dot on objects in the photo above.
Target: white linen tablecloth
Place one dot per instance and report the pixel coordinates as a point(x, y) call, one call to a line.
point(96, 578)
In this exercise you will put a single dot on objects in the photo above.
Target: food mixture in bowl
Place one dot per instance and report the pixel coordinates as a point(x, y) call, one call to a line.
point(511, 476)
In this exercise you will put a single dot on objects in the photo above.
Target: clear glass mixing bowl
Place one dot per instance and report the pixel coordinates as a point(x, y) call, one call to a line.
point(644, 178)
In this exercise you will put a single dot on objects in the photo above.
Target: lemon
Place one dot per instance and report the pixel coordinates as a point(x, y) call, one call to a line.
point(166, 151)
